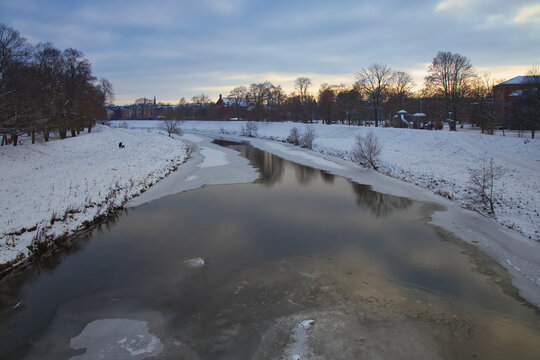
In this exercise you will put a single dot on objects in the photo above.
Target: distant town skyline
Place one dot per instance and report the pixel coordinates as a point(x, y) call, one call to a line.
point(173, 49)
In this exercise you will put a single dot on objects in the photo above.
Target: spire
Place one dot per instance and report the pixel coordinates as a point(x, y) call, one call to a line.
point(154, 100)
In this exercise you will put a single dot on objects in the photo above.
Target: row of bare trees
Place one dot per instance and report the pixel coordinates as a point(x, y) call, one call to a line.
point(44, 89)
point(452, 92)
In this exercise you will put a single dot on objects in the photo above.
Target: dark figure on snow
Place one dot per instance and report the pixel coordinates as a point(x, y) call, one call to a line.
point(121, 146)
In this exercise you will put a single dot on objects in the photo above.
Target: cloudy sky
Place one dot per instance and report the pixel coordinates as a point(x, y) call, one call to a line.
point(173, 49)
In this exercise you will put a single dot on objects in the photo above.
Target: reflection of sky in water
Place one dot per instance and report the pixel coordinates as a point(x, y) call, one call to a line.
point(317, 222)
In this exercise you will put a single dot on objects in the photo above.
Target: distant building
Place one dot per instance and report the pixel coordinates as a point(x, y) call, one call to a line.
point(508, 94)
point(220, 104)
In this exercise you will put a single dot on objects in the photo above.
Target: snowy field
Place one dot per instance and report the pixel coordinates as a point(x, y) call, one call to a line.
point(52, 189)
point(435, 160)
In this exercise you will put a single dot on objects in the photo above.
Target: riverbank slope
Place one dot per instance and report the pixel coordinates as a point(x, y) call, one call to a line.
point(52, 189)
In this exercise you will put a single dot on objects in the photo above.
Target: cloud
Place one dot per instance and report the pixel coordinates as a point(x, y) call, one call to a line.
point(223, 6)
point(528, 14)
point(175, 48)
point(449, 4)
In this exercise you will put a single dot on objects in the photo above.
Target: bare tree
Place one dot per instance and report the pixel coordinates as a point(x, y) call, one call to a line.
point(367, 150)
point(258, 95)
point(483, 108)
point(482, 181)
point(450, 76)
point(403, 86)
point(238, 95)
point(77, 72)
point(172, 126)
point(43, 88)
point(349, 102)
point(14, 51)
point(375, 81)
point(327, 103)
point(276, 99)
point(106, 88)
point(200, 99)
point(302, 84)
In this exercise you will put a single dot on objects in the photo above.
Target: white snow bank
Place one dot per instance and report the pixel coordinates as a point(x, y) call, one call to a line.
point(56, 187)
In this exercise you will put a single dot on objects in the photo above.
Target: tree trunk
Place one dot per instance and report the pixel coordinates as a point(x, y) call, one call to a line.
point(14, 138)
point(33, 136)
point(63, 133)
point(46, 135)
point(376, 112)
point(73, 133)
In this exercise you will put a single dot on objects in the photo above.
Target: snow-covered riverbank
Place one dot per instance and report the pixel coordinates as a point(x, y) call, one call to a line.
point(52, 189)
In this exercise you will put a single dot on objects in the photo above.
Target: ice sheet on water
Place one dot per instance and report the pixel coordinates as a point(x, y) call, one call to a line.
point(116, 339)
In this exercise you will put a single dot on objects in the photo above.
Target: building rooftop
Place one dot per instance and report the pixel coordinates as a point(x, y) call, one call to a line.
point(518, 80)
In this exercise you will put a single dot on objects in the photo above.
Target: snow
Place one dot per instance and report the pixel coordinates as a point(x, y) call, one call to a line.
point(317, 160)
point(518, 80)
point(75, 180)
point(213, 157)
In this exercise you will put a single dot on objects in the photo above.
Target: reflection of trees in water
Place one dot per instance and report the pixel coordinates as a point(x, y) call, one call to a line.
point(327, 177)
point(271, 167)
point(377, 203)
point(57, 250)
point(304, 174)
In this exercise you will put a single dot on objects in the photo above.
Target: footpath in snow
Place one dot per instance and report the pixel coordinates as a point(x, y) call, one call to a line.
point(52, 189)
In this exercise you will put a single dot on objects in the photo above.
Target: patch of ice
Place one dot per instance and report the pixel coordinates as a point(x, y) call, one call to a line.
point(299, 347)
point(116, 339)
point(212, 157)
point(196, 262)
point(192, 177)
point(315, 159)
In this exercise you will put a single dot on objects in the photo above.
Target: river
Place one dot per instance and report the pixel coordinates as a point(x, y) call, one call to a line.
point(299, 263)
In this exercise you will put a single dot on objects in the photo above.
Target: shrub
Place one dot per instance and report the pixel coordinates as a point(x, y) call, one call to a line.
point(306, 140)
point(482, 181)
point(294, 136)
point(250, 129)
point(367, 150)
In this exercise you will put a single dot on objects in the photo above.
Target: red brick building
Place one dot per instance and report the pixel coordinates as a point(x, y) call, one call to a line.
point(507, 94)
